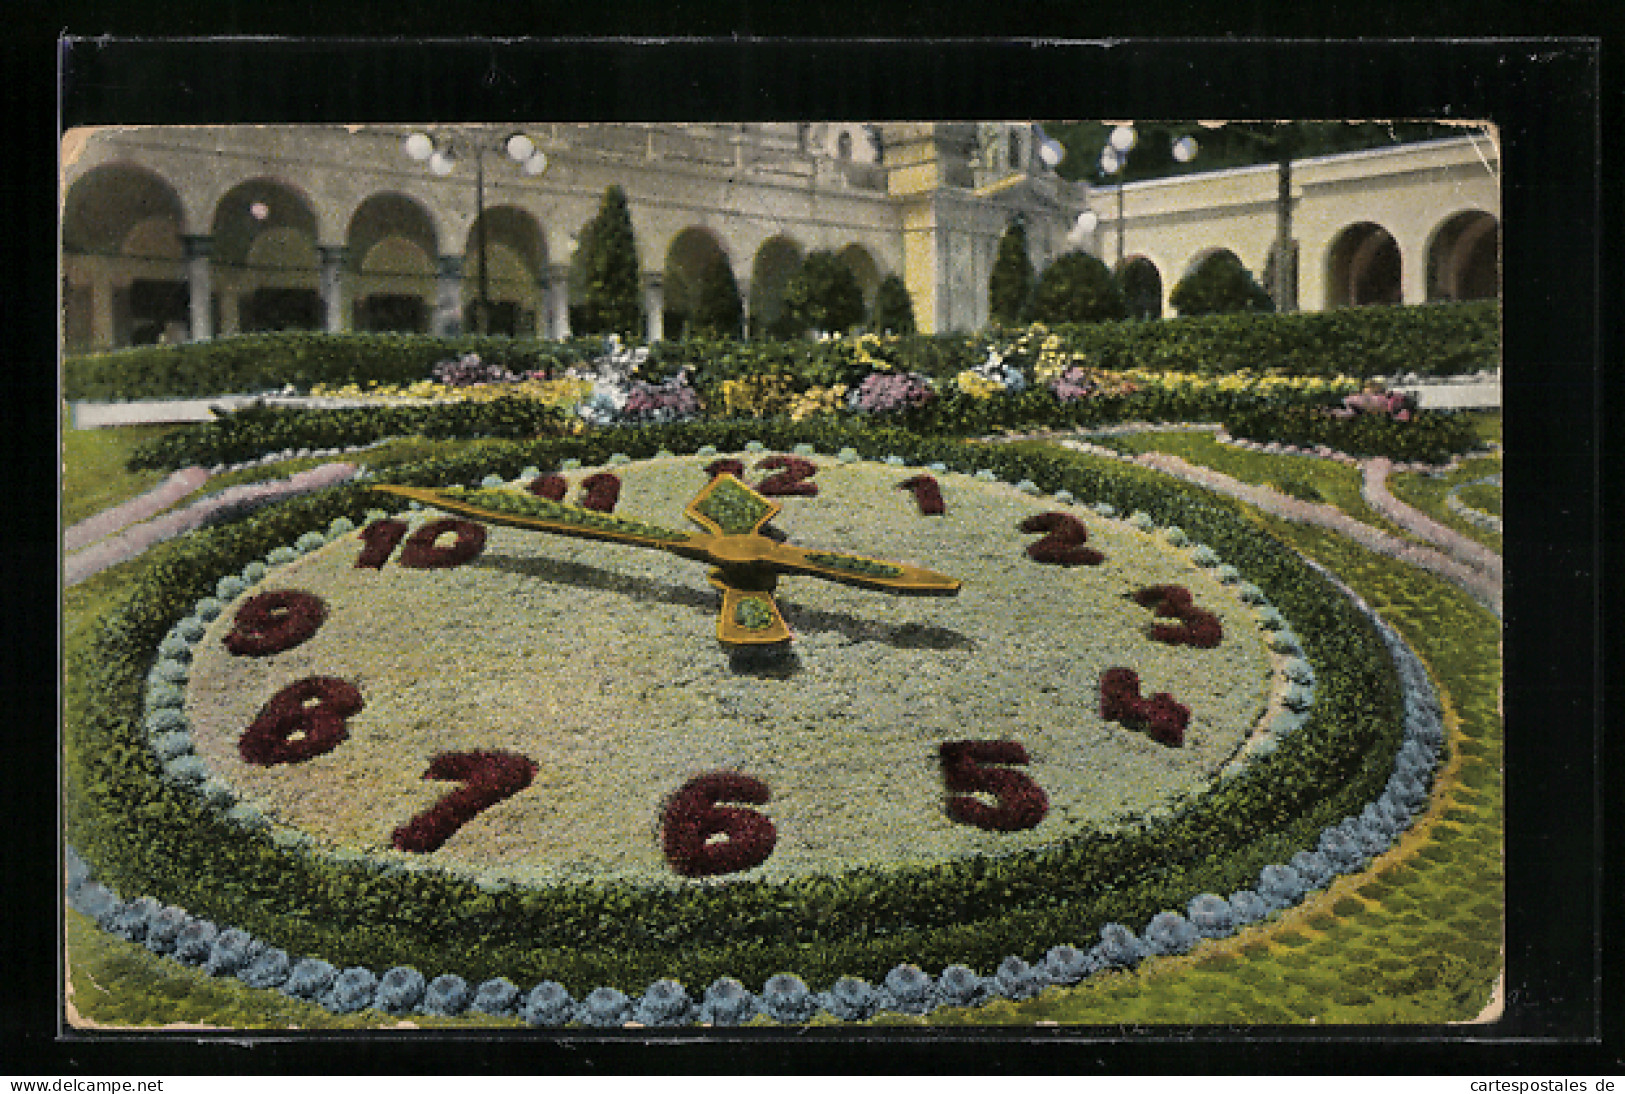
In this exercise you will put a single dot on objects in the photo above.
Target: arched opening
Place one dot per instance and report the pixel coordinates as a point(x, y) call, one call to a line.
point(123, 262)
point(776, 262)
point(502, 291)
point(1363, 267)
point(690, 256)
point(393, 260)
point(1142, 287)
point(266, 273)
point(856, 257)
point(1464, 261)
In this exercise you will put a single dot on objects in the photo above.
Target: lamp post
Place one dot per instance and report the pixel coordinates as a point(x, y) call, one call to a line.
point(441, 157)
point(1114, 161)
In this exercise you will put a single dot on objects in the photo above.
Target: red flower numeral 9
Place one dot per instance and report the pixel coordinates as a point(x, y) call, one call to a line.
point(423, 551)
point(927, 494)
point(1160, 715)
point(1196, 627)
point(1021, 802)
point(692, 818)
point(487, 778)
point(1063, 545)
point(303, 720)
point(275, 621)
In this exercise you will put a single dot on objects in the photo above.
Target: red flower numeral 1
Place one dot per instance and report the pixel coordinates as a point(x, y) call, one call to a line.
point(423, 550)
point(599, 492)
point(550, 486)
point(1063, 544)
point(1160, 715)
point(272, 622)
point(1196, 627)
point(1021, 802)
point(692, 819)
point(927, 494)
point(381, 537)
point(791, 480)
point(303, 720)
point(726, 466)
point(487, 778)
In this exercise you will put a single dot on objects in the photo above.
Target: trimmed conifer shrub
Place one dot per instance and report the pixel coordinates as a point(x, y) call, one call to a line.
point(1010, 285)
point(823, 295)
point(893, 311)
point(719, 310)
point(609, 259)
point(1077, 288)
point(1218, 285)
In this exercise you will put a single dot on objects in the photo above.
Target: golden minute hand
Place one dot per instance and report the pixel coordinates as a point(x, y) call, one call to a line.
point(495, 506)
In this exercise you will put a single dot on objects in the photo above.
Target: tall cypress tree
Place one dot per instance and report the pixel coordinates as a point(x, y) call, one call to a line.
point(1010, 285)
point(609, 260)
point(824, 295)
point(718, 310)
point(894, 311)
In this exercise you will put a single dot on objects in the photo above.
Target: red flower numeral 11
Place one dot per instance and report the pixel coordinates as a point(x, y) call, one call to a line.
point(487, 778)
point(423, 551)
point(599, 492)
point(1021, 802)
point(693, 818)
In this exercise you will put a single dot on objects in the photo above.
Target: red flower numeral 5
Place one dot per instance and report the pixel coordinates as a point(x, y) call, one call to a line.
point(1063, 545)
point(1022, 802)
point(303, 720)
point(271, 622)
point(487, 778)
point(692, 818)
point(599, 492)
point(791, 479)
point(423, 551)
point(1196, 627)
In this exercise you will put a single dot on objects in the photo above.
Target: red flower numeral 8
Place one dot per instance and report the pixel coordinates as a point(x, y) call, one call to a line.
point(487, 778)
point(1021, 802)
point(303, 720)
point(275, 621)
point(692, 818)
point(1063, 545)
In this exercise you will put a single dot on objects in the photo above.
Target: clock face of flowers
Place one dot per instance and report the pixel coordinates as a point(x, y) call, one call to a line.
point(524, 706)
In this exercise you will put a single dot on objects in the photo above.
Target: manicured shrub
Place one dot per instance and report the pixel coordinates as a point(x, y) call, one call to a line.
point(1066, 964)
point(352, 990)
point(665, 1003)
point(1015, 979)
point(129, 919)
point(446, 995)
point(960, 986)
point(718, 311)
point(608, 257)
point(1077, 288)
point(1119, 946)
point(268, 969)
point(309, 979)
point(548, 1004)
point(1219, 284)
point(164, 927)
point(823, 295)
point(1248, 907)
point(727, 1002)
point(1169, 933)
point(606, 1008)
point(195, 941)
point(1313, 868)
point(233, 949)
point(1429, 436)
point(1280, 886)
point(911, 990)
point(498, 997)
point(1211, 915)
point(399, 990)
point(853, 1000)
point(1011, 283)
point(785, 998)
point(893, 310)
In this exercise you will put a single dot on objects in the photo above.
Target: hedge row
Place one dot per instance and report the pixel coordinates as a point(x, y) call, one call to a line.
point(1429, 437)
point(147, 837)
point(1436, 339)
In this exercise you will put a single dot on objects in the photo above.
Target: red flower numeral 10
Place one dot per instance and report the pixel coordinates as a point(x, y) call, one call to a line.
point(693, 817)
point(1063, 544)
point(423, 551)
point(790, 480)
point(1021, 802)
point(487, 778)
point(1196, 627)
point(927, 494)
point(1160, 715)
point(271, 622)
point(303, 720)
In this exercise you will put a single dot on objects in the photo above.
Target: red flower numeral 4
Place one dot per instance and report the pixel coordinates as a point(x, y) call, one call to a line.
point(927, 494)
point(423, 549)
point(1063, 543)
point(1160, 716)
point(599, 492)
point(693, 819)
point(303, 720)
point(487, 778)
point(272, 622)
point(1196, 627)
point(1021, 802)
point(790, 480)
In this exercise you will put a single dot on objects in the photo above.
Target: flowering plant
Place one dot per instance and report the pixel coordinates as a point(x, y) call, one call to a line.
point(1374, 400)
point(994, 376)
point(887, 391)
point(468, 370)
point(672, 401)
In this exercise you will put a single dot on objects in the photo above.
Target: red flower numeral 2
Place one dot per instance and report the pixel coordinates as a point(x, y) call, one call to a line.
point(1160, 715)
point(1196, 627)
point(599, 492)
point(927, 494)
point(692, 819)
point(1063, 545)
point(790, 480)
point(487, 778)
point(1021, 802)
point(423, 551)
point(272, 622)
point(303, 720)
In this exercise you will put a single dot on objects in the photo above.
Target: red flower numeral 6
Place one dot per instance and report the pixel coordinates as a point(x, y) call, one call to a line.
point(692, 819)
point(1022, 802)
point(423, 551)
point(1063, 545)
point(303, 720)
point(487, 778)
point(272, 622)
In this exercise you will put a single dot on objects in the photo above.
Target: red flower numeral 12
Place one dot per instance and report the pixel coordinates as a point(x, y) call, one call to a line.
point(1063, 544)
point(790, 479)
point(423, 551)
point(693, 818)
point(487, 778)
point(1022, 802)
point(303, 720)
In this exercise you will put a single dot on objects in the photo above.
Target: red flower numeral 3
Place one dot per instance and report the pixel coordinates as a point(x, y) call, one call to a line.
point(790, 480)
point(487, 778)
point(272, 622)
point(692, 819)
point(1063, 545)
point(1159, 715)
point(927, 494)
point(1196, 627)
point(1021, 802)
point(599, 492)
point(423, 550)
point(303, 720)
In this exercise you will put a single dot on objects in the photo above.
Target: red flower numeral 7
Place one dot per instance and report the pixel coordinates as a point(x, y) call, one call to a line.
point(1022, 802)
point(692, 819)
point(487, 778)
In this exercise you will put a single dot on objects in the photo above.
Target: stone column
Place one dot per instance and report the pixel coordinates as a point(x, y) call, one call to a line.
point(557, 281)
point(332, 280)
point(101, 308)
point(1413, 272)
point(654, 305)
point(448, 305)
point(197, 250)
point(231, 311)
point(744, 309)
